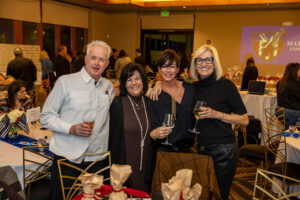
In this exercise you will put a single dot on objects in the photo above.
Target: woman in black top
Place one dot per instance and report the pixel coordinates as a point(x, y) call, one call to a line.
point(288, 93)
point(224, 107)
point(250, 73)
point(183, 98)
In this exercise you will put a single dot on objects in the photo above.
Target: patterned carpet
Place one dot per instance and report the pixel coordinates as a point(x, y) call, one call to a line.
point(243, 183)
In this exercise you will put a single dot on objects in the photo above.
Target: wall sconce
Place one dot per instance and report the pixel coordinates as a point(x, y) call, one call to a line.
point(287, 23)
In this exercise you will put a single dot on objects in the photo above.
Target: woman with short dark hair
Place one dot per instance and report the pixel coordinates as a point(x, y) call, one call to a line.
point(177, 98)
point(129, 138)
point(288, 93)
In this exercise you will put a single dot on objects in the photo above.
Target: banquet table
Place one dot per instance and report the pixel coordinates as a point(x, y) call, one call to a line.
point(167, 163)
point(293, 155)
point(255, 104)
point(13, 156)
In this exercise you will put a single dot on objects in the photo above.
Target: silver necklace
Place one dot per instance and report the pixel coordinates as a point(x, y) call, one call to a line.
point(143, 137)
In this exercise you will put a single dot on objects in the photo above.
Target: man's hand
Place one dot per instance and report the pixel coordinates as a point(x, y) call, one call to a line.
point(81, 129)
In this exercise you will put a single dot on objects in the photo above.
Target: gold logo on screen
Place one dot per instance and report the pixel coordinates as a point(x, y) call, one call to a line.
point(268, 45)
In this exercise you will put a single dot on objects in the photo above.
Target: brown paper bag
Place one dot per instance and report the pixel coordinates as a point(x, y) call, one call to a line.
point(118, 176)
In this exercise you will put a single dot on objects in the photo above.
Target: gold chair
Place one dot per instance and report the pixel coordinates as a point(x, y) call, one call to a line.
point(268, 182)
point(36, 166)
point(69, 192)
point(275, 142)
point(275, 118)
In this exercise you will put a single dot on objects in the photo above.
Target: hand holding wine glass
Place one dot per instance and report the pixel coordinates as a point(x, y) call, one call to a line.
point(196, 110)
point(168, 122)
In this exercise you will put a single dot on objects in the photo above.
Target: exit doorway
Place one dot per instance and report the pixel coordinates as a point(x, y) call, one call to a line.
point(153, 42)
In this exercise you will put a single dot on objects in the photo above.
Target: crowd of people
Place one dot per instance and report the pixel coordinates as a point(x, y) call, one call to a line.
point(131, 125)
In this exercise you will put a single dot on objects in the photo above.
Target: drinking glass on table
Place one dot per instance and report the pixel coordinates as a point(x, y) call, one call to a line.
point(196, 110)
point(89, 119)
point(168, 122)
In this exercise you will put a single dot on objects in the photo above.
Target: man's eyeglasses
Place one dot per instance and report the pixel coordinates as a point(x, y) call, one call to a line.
point(208, 60)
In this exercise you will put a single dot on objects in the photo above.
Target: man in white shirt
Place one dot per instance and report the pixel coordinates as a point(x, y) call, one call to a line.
point(85, 93)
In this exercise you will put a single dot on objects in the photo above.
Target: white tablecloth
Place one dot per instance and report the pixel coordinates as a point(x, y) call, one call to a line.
point(13, 156)
point(255, 104)
point(293, 155)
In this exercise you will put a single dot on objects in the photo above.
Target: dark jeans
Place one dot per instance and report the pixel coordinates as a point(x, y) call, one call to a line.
point(291, 117)
point(56, 190)
point(225, 157)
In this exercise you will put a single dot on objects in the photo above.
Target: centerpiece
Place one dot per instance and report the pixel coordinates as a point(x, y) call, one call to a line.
point(12, 123)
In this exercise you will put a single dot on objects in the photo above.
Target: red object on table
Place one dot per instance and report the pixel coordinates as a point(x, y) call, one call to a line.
point(107, 189)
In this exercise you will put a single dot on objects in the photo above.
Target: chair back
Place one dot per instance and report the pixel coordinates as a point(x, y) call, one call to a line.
point(275, 142)
point(264, 179)
point(36, 166)
point(275, 118)
point(240, 129)
point(110, 73)
point(70, 191)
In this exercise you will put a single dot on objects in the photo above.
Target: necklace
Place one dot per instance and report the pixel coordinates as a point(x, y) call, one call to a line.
point(137, 105)
point(143, 136)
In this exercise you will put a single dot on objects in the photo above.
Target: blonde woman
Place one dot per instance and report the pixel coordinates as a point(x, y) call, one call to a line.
point(224, 107)
point(46, 64)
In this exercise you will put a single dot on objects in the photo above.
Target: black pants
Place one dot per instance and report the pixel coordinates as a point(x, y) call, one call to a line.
point(225, 157)
point(56, 190)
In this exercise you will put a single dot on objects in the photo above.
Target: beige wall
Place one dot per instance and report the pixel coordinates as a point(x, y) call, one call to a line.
point(53, 12)
point(224, 30)
point(124, 32)
point(120, 31)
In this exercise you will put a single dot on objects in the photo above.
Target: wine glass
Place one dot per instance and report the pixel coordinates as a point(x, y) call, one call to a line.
point(168, 122)
point(196, 110)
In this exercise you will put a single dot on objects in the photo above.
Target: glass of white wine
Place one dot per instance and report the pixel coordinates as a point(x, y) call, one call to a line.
point(168, 122)
point(196, 110)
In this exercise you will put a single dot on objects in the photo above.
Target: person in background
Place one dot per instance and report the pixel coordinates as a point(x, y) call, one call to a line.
point(288, 93)
point(17, 98)
point(140, 59)
point(73, 98)
point(22, 69)
point(224, 108)
point(111, 65)
point(78, 62)
point(62, 62)
point(121, 62)
point(129, 128)
point(5, 81)
point(113, 58)
point(46, 64)
point(250, 73)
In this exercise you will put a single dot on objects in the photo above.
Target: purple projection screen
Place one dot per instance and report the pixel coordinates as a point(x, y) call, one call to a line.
point(276, 45)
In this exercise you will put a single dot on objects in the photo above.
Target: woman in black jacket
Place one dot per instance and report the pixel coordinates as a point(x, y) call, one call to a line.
point(288, 93)
point(129, 140)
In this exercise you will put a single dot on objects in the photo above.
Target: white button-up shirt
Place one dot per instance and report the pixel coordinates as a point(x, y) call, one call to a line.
point(73, 96)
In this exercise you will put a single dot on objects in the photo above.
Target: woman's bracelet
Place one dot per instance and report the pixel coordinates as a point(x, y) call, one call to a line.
point(222, 116)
